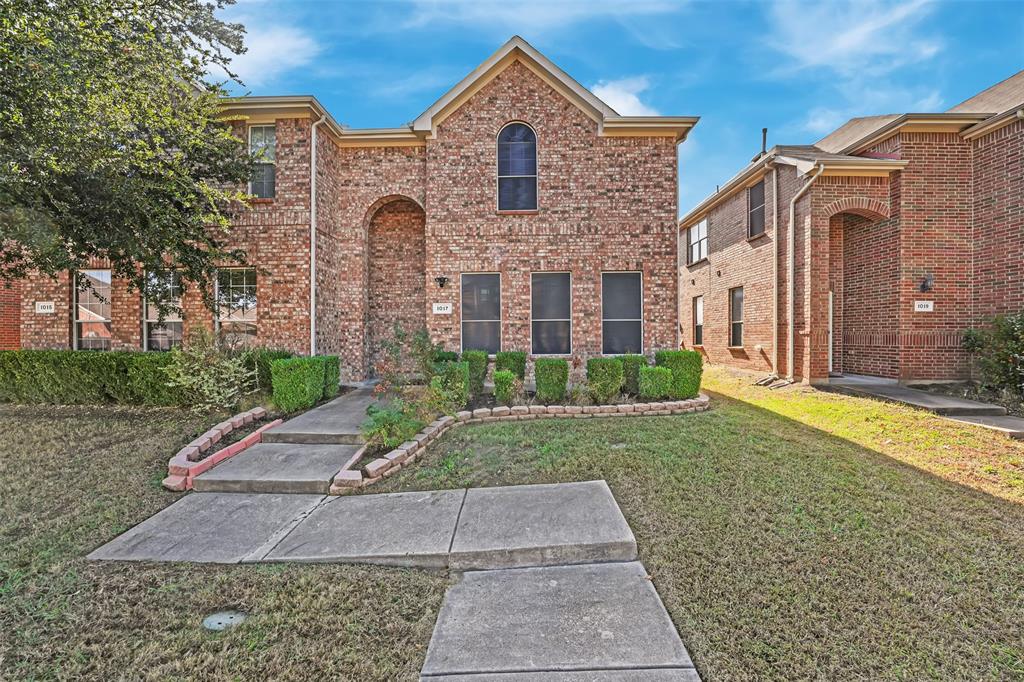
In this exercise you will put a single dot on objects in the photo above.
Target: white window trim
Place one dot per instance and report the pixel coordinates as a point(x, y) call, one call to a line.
point(216, 298)
point(643, 330)
point(146, 321)
point(497, 177)
point(750, 209)
point(707, 224)
point(274, 161)
point(501, 311)
point(743, 327)
point(693, 313)
point(532, 319)
point(74, 307)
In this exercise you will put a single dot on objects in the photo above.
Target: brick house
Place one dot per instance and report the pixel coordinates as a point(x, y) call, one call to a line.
point(869, 252)
point(518, 212)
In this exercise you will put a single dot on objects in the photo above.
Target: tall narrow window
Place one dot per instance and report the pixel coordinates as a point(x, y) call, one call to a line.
point(698, 320)
point(92, 310)
point(167, 334)
point(621, 313)
point(263, 145)
point(697, 242)
point(551, 313)
point(517, 168)
point(481, 312)
point(736, 317)
point(236, 305)
point(755, 207)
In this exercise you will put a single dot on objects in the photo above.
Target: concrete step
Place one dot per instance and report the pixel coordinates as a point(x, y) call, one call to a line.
point(559, 623)
point(1011, 427)
point(939, 404)
point(277, 468)
point(336, 422)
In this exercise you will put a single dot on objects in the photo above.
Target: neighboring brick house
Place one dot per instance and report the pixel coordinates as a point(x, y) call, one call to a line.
point(518, 212)
point(906, 230)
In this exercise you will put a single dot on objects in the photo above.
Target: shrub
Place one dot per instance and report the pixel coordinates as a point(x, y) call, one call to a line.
point(208, 375)
point(999, 352)
point(260, 358)
point(390, 426)
point(297, 382)
point(655, 382)
point(504, 386)
point(445, 356)
point(686, 366)
point(477, 360)
point(631, 365)
point(552, 379)
point(604, 379)
point(512, 360)
point(332, 375)
point(147, 380)
point(449, 389)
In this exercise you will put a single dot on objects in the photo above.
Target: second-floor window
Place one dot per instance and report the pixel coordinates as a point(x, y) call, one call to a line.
point(517, 168)
point(755, 208)
point(263, 145)
point(697, 242)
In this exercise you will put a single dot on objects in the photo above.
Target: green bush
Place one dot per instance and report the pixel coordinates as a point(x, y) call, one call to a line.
point(477, 360)
point(687, 367)
point(208, 374)
point(451, 385)
point(655, 382)
point(999, 352)
point(147, 380)
point(512, 360)
point(298, 383)
point(445, 356)
point(552, 379)
point(504, 386)
point(332, 375)
point(604, 379)
point(631, 365)
point(390, 426)
point(261, 359)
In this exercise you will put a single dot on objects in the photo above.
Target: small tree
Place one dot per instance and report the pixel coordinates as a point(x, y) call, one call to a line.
point(999, 352)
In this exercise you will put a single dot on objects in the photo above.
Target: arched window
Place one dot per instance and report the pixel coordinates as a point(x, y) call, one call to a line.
point(517, 168)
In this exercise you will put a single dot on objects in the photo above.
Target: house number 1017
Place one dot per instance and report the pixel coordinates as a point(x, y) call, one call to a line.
point(442, 308)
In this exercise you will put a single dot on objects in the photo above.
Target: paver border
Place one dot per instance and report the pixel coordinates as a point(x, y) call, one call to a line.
point(349, 480)
point(181, 470)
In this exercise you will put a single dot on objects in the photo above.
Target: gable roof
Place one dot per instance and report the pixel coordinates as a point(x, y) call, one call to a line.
point(853, 130)
point(1006, 94)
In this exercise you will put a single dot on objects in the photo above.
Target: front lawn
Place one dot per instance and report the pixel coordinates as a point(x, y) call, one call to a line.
point(75, 477)
point(796, 534)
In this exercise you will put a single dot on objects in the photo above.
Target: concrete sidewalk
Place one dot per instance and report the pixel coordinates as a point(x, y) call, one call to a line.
point(336, 422)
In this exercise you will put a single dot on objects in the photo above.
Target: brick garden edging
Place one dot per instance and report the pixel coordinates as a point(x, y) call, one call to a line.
point(348, 480)
point(181, 469)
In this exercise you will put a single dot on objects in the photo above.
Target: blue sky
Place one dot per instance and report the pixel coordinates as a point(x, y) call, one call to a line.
point(800, 69)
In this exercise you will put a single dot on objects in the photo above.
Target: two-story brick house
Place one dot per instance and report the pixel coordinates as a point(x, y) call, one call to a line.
point(518, 212)
point(869, 252)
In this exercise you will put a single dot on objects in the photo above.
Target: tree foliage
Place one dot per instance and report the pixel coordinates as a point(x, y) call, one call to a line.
point(111, 141)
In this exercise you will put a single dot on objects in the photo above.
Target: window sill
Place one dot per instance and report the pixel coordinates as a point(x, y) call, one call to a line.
point(697, 345)
point(757, 236)
point(735, 348)
point(528, 212)
point(261, 200)
point(702, 261)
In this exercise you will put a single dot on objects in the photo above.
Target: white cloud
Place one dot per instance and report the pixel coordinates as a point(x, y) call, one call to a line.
point(533, 16)
point(272, 52)
point(623, 95)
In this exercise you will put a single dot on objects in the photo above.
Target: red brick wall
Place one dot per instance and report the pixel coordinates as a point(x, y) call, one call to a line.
point(998, 166)
point(10, 316)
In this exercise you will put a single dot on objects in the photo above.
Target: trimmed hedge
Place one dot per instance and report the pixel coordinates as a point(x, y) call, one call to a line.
point(66, 377)
point(655, 382)
point(604, 379)
point(298, 382)
point(261, 359)
point(631, 365)
point(504, 385)
point(332, 375)
point(687, 367)
point(552, 379)
point(445, 356)
point(512, 360)
point(477, 360)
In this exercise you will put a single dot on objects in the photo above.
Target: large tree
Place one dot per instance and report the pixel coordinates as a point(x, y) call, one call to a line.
point(111, 143)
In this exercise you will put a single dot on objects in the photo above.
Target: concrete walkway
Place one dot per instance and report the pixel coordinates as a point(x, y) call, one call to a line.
point(336, 422)
point(958, 409)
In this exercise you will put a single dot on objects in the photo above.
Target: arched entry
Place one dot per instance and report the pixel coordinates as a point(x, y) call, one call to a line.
point(396, 271)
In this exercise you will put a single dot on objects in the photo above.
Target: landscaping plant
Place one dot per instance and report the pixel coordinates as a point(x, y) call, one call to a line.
point(512, 360)
point(477, 360)
point(604, 379)
point(552, 379)
point(631, 365)
point(505, 391)
point(999, 352)
point(332, 375)
point(655, 382)
point(207, 375)
point(686, 366)
point(298, 382)
point(388, 427)
point(260, 358)
point(449, 389)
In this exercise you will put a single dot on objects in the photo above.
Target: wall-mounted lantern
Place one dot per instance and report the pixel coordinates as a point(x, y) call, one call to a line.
point(441, 281)
point(928, 282)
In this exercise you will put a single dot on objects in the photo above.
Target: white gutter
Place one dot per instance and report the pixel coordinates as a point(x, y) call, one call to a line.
point(790, 355)
point(775, 269)
point(312, 236)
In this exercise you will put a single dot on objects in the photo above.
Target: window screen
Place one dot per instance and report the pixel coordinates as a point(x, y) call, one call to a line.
point(551, 314)
point(755, 202)
point(263, 145)
point(736, 316)
point(698, 320)
point(161, 336)
point(621, 313)
point(697, 242)
point(481, 312)
point(517, 168)
point(236, 305)
point(92, 310)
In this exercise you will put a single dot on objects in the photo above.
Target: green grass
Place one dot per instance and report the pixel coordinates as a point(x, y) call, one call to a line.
point(75, 477)
point(796, 534)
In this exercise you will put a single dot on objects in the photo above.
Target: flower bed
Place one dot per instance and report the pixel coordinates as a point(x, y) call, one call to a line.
point(348, 480)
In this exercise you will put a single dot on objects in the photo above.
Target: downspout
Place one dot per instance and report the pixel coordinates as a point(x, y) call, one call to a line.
point(775, 269)
point(791, 271)
point(312, 236)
